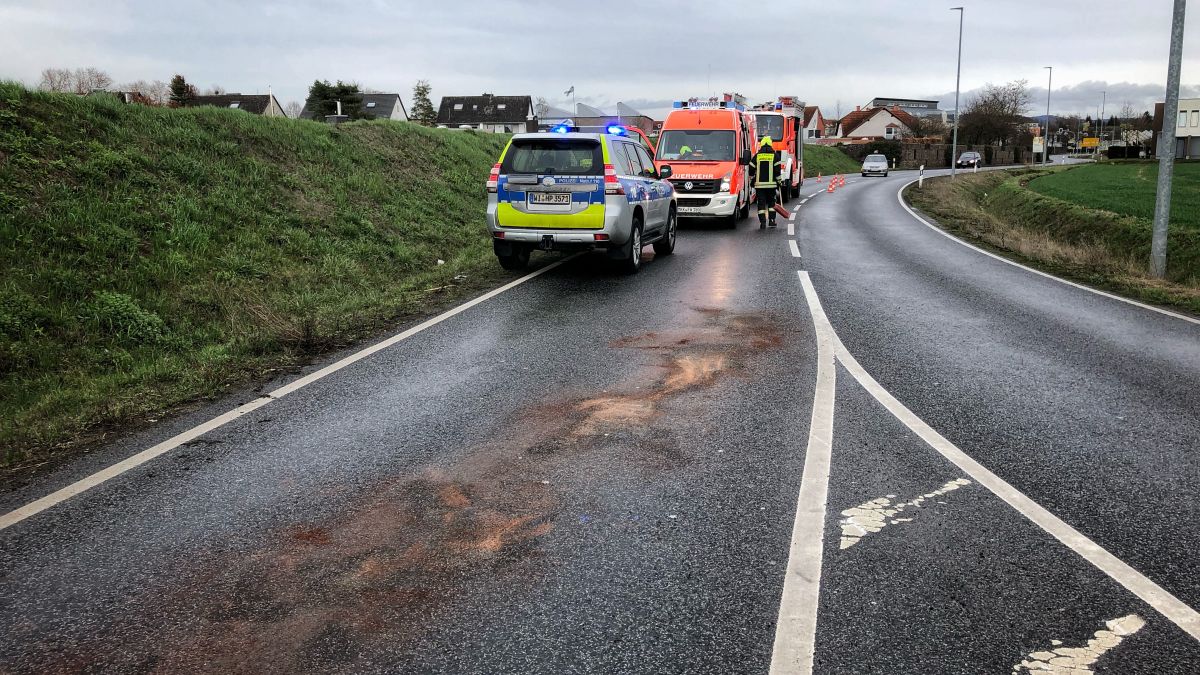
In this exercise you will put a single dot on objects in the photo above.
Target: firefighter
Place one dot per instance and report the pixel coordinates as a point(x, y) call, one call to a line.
point(766, 170)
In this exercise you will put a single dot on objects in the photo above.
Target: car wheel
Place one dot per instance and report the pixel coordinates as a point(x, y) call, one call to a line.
point(666, 245)
point(517, 260)
point(885, 174)
point(633, 256)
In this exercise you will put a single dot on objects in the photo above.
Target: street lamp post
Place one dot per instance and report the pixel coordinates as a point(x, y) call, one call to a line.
point(1046, 148)
point(1103, 100)
point(957, 81)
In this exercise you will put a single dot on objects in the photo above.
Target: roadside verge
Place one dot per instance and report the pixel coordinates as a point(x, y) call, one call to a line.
point(996, 212)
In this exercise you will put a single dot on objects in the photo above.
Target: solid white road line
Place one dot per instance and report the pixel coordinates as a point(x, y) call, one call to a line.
point(1135, 582)
point(82, 485)
point(795, 249)
point(796, 207)
point(935, 228)
point(791, 229)
point(796, 628)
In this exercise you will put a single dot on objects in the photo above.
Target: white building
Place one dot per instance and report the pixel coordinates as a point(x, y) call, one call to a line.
point(1187, 129)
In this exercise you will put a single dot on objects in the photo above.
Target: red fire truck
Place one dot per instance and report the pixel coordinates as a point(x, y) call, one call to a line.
point(783, 121)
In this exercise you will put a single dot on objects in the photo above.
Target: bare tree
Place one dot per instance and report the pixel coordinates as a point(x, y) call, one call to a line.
point(927, 127)
point(293, 109)
point(78, 81)
point(90, 79)
point(995, 115)
point(56, 79)
point(541, 107)
point(155, 93)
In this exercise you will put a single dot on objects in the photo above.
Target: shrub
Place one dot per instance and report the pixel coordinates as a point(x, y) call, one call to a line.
point(120, 317)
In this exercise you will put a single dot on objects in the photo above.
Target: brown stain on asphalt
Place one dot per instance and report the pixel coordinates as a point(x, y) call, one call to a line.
point(323, 594)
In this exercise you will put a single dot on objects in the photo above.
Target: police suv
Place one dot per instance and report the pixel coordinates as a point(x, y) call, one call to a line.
point(572, 190)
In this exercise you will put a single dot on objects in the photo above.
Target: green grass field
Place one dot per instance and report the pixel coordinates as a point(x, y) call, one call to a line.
point(1013, 213)
point(1127, 189)
point(150, 257)
point(827, 160)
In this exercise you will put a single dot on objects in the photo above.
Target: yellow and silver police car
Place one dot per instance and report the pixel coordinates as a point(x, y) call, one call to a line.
point(571, 190)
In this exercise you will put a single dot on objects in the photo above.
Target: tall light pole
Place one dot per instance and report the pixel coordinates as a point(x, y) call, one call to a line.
point(957, 81)
point(1046, 148)
point(1166, 148)
point(1103, 100)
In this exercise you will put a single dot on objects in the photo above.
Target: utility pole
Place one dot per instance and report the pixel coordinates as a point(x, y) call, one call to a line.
point(957, 82)
point(1103, 100)
point(1166, 148)
point(1046, 147)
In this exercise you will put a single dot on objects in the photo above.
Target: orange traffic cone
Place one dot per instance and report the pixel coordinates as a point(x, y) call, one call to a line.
point(818, 177)
point(832, 185)
point(841, 181)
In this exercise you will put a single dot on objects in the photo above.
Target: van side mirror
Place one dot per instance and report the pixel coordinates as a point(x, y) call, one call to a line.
point(746, 158)
point(664, 171)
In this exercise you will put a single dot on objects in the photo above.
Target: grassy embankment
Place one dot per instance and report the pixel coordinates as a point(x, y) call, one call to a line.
point(827, 160)
point(1090, 223)
point(150, 257)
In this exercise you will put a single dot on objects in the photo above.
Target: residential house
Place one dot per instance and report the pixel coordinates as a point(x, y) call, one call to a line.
point(1187, 128)
point(378, 106)
point(255, 104)
point(876, 124)
point(814, 122)
point(498, 114)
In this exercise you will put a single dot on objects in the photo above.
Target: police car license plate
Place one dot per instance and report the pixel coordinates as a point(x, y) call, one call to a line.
point(550, 198)
point(688, 209)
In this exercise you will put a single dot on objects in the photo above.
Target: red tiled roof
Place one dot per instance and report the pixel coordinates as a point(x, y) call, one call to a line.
point(856, 119)
point(809, 111)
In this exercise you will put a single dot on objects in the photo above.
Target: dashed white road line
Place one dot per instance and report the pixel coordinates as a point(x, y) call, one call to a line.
point(873, 516)
point(797, 207)
point(791, 229)
point(795, 249)
point(796, 628)
point(935, 228)
point(1058, 660)
point(1135, 582)
point(13, 517)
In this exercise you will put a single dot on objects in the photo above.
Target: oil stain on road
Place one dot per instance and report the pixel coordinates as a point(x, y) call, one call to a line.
point(324, 595)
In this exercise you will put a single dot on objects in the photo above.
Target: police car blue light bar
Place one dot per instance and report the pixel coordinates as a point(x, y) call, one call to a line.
point(617, 130)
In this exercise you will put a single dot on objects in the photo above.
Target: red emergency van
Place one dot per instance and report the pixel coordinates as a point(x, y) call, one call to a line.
point(709, 145)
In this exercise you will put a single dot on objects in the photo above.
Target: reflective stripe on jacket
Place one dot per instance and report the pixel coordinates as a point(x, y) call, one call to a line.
point(766, 169)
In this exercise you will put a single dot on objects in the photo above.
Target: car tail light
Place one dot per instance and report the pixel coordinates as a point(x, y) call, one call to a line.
point(498, 235)
point(600, 237)
point(612, 186)
point(493, 181)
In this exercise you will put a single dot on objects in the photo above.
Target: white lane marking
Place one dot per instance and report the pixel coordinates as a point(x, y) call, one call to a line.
point(796, 627)
point(797, 207)
point(804, 201)
point(795, 249)
point(58, 496)
point(873, 516)
point(791, 229)
point(1135, 582)
point(935, 228)
point(1074, 660)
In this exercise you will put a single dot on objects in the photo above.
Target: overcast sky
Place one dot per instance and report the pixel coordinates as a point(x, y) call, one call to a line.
point(643, 53)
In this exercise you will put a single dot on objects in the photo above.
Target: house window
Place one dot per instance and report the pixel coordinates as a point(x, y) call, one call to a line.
point(889, 132)
point(1196, 118)
point(1182, 119)
point(370, 104)
point(458, 106)
point(235, 104)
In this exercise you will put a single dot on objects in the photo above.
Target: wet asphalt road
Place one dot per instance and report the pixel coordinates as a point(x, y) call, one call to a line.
point(594, 473)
